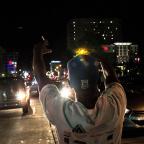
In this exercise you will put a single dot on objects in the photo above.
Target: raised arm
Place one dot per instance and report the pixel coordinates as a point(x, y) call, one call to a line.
point(39, 68)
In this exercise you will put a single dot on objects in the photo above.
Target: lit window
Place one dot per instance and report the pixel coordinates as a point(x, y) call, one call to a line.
point(111, 21)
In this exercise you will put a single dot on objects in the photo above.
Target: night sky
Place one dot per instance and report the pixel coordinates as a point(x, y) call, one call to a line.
point(20, 26)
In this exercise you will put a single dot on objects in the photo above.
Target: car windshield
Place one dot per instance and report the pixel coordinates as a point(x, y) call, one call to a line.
point(133, 84)
point(11, 82)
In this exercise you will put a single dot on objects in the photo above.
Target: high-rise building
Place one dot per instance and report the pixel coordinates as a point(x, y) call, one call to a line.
point(108, 29)
point(126, 57)
point(125, 52)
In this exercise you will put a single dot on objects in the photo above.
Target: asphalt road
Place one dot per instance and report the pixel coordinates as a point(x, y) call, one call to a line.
point(29, 129)
point(34, 128)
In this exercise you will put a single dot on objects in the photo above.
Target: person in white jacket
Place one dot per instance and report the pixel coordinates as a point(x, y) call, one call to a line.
point(92, 116)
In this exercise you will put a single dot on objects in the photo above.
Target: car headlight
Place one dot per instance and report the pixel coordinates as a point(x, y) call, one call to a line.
point(20, 95)
point(65, 92)
point(127, 111)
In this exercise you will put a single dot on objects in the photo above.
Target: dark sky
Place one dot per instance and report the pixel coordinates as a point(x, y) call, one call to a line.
point(19, 25)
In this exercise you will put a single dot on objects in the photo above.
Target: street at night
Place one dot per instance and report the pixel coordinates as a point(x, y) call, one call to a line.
point(87, 68)
point(33, 128)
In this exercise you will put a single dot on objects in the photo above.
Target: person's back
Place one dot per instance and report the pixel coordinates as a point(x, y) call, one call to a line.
point(83, 120)
point(93, 117)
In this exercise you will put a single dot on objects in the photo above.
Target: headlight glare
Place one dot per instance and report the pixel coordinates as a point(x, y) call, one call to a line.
point(20, 95)
point(127, 111)
point(65, 92)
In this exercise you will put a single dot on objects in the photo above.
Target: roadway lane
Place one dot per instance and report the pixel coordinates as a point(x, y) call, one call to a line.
point(29, 129)
point(34, 127)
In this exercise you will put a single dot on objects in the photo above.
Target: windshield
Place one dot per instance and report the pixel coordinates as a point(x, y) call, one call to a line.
point(11, 82)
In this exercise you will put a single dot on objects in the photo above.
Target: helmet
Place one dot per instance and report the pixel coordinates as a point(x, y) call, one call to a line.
point(83, 72)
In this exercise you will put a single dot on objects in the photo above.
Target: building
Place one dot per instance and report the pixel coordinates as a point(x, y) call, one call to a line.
point(8, 62)
point(11, 60)
point(125, 52)
point(126, 57)
point(108, 29)
point(2, 62)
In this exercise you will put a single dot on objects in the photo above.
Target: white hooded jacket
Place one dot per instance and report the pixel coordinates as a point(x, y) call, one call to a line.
point(78, 125)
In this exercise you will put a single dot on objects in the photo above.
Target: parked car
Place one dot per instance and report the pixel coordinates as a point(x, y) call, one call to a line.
point(13, 94)
point(134, 115)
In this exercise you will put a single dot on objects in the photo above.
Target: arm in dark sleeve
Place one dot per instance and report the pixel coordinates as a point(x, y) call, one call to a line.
point(39, 68)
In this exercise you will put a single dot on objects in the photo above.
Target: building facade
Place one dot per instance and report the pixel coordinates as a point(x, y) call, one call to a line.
point(125, 52)
point(108, 29)
point(8, 62)
point(126, 57)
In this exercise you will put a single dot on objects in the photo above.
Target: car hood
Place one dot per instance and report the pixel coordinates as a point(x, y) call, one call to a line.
point(135, 99)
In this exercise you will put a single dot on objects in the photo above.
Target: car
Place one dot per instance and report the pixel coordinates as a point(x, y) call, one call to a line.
point(14, 94)
point(134, 114)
